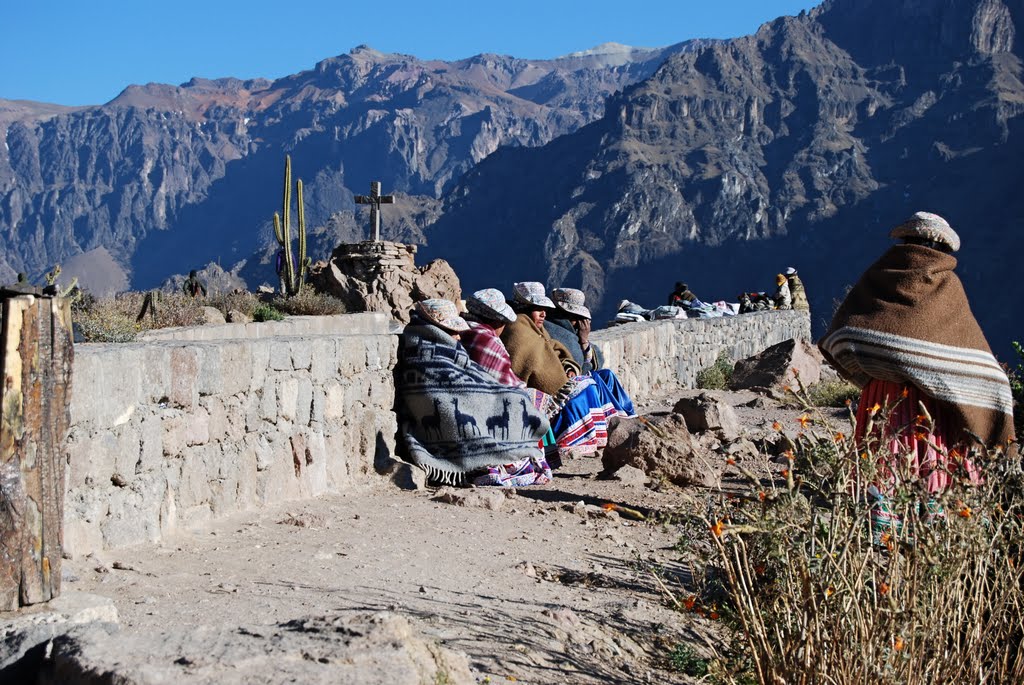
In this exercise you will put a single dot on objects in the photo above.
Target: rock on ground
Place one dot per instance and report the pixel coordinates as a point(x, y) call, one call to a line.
point(708, 412)
point(352, 649)
point(778, 366)
point(22, 630)
point(661, 447)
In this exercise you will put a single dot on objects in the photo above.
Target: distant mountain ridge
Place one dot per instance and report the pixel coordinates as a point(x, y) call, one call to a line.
point(168, 177)
point(800, 145)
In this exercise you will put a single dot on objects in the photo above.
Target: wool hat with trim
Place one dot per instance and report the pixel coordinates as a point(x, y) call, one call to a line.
point(531, 293)
point(489, 304)
point(927, 226)
point(571, 300)
point(443, 314)
point(790, 271)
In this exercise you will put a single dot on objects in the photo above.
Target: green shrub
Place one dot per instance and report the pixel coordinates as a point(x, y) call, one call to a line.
point(1016, 375)
point(716, 376)
point(308, 302)
point(833, 393)
point(265, 312)
point(683, 659)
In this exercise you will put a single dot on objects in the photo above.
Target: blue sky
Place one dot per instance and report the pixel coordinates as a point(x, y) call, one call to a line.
point(78, 52)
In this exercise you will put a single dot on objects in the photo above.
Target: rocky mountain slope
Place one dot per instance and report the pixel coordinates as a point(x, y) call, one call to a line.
point(168, 177)
point(800, 145)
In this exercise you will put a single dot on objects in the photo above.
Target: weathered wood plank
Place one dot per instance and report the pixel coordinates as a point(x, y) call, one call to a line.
point(36, 356)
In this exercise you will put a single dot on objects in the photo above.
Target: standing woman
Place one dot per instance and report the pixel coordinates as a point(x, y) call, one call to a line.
point(905, 334)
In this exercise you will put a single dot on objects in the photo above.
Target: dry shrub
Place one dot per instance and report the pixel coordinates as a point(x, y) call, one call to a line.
point(819, 597)
point(241, 301)
point(117, 319)
point(309, 302)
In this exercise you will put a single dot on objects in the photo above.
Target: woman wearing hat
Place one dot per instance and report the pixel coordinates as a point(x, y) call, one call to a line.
point(570, 325)
point(905, 334)
point(455, 420)
point(581, 427)
point(797, 291)
point(783, 300)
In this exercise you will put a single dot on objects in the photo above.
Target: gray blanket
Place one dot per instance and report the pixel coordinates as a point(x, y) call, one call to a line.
point(454, 418)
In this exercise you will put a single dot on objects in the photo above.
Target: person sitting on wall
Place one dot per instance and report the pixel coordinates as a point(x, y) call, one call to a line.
point(783, 299)
point(797, 291)
point(455, 420)
point(681, 295)
point(581, 427)
point(193, 286)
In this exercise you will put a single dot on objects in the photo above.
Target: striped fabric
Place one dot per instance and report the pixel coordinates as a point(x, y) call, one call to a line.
point(956, 375)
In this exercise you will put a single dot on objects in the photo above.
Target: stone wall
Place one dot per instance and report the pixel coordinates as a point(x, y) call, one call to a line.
point(168, 433)
point(656, 357)
point(193, 424)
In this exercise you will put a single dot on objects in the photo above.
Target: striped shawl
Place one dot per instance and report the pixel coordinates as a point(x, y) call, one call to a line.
point(908, 321)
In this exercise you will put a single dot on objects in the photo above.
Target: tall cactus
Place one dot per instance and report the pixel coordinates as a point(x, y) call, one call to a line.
point(291, 272)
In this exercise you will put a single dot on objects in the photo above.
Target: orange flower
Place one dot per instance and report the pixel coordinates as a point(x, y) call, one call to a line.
point(786, 388)
point(883, 588)
point(875, 409)
point(689, 603)
point(848, 402)
point(717, 529)
point(609, 506)
point(760, 569)
point(898, 642)
point(776, 426)
point(788, 454)
point(713, 615)
point(762, 496)
point(964, 512)
point(905, 393)
point(730, 462)
point(839, 437)
point(829, 591)
point(804, 421)
point(863, 455)
point(785, 473)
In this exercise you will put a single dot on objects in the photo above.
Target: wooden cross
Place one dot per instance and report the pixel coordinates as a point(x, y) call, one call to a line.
point(375, 200)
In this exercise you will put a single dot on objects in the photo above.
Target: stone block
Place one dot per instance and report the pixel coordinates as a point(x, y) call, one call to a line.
point(197, 427)
point(303, 400)
point(175, 431)
point(302, 354)
point(287, 399)
point(280, 356)
point(184, 378)
point(260, 350)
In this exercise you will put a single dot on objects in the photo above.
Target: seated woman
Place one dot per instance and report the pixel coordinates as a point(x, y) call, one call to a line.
point(570, 325)
point(455, 420)
point(581, 427)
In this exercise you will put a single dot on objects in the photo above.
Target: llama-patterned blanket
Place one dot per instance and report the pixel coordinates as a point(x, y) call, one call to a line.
point(454, 417)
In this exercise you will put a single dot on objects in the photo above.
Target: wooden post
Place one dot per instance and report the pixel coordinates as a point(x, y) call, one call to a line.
point(36, 355)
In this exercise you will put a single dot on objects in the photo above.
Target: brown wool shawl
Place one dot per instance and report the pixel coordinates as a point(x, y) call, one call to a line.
point(907, 320)
point(536, 357)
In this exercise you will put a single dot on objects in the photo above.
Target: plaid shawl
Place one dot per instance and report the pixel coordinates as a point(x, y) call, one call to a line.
point(908, 321)
point(487, 350)
point(454, 418)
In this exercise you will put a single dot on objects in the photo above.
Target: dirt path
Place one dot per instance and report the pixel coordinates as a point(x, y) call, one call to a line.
point(547, 588)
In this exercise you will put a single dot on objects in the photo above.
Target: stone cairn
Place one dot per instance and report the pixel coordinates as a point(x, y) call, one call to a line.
point(382, 276)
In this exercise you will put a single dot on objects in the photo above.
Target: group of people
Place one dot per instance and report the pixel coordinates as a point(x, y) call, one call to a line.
point(501, 395)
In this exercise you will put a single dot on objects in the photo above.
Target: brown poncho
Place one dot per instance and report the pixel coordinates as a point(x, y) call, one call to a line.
point(536, 358)
point(907, 320)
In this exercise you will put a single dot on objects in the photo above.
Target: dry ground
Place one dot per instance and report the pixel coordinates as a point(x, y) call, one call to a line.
point(548, 588)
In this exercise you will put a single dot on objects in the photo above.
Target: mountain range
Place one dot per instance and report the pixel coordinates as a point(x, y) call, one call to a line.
point(618, 170)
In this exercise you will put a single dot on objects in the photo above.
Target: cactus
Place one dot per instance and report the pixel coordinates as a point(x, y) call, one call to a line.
point(291, 272)
point(52, 276)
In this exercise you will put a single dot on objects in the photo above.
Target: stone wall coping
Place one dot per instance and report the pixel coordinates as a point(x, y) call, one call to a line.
point(361, 323)
point(630, 329)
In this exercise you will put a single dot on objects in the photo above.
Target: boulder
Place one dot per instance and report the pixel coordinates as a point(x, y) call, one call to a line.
point(708, 412)
point(661, 447)
point(778, 366)
point(235, 316)
point(630, 475)
point(21, 631)
point(213, 316)
point(364, 648)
